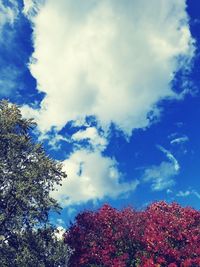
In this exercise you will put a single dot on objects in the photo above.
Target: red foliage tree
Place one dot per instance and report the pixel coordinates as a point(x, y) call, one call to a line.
point(162, 235)
point(171, 236)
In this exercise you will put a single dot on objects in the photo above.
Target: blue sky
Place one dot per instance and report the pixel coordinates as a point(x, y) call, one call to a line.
point(114, 88)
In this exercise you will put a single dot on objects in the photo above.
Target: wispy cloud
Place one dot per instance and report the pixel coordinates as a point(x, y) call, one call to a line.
point(170, 156)
point(179, 140)
point(183, 193)
point(162, 176)
point(31, 7)
point(188, 193)
point(8, 12)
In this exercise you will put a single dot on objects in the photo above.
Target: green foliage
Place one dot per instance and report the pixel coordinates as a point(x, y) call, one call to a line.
point(27, 176)
point(34, 248)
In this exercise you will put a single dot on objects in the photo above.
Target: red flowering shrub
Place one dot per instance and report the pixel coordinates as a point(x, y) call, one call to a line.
point(162, 235)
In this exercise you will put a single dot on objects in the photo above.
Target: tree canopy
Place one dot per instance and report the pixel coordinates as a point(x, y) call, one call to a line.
point(27, 176)
point(162, 235)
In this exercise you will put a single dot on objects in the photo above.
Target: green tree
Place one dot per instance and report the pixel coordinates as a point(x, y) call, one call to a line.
point(27, 176)
point(39, 247)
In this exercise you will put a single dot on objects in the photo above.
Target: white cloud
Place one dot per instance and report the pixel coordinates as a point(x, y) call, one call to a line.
point(188, 193)
point(183, 193)
point(111, 59)
point(28, 6)
point(54, 142)
point(179, 140)
point(54, 139)
point(8, 13)
point(91, 177)
point(169, 191)
point(91, 134)
point(170, 157)
point(31, 7)
point(162, 176)
point(196, 194)
point(29, 112)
